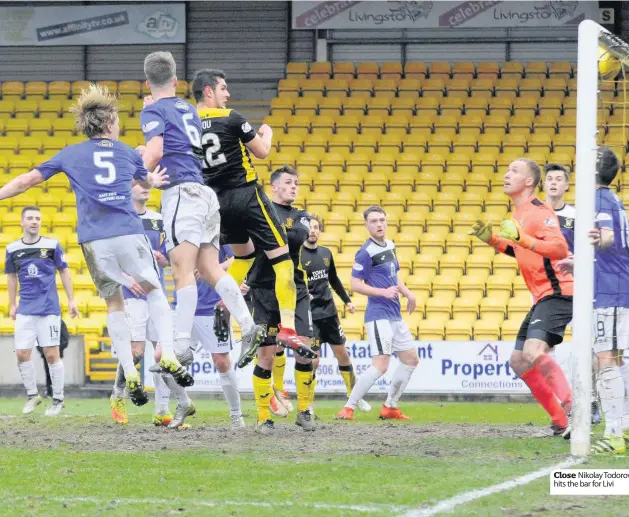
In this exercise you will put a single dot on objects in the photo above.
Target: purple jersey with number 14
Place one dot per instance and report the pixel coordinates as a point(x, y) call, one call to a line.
point(377, 266)
point(179, 124)
point(101, 172)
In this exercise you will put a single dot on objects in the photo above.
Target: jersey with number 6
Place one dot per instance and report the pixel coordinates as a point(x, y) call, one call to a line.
point(100, 173)
point(178, 123)
point(227, 163)
point(611, 268)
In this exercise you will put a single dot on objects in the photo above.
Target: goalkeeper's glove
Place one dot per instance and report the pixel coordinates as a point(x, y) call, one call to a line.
point(510, 229)
point(482, 230)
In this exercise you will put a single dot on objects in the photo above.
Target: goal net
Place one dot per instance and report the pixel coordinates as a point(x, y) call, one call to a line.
point(602, 118)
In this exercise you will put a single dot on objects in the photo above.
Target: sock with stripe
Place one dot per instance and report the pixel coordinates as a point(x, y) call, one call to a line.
point(121, 340)
point(544, 394)
point(240, 266)
point(279, 369)
point(303, 380)
point(347, 372)
point(262, 392)
point(313, 389)
point(285, 289)
point(612, 390)
point(161, 316)
point(624, 372)
point(556, 379)
point(187, 298)
point(363, 385)
point(401, 378)
point(56, 376)
point(27, 371)
point(229, 291)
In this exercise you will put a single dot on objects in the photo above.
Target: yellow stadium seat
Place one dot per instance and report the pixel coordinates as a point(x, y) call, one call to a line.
point(478, 263)
point(365, 200)
point(288, 87)
point(326, 183)
point(446, 283)
point(16, 127)
point(306, 106)
point(432, 242)
point(50, 109)
point(331, 106)
point(409, 88)
point(494, 304)
point(13, 88)
point(419, 200)
point(518, 306)
point(350, 183)
point(368, 68)
point(466, 304)
point(391, 70)
point(19, 164)
point(385, 87)
point(453, 262)
point(362, 88)
point(354, 106)
point(283, 106)
point(59, 89)
point(438, 222)
point(509, 329)
point(318, 69)
point(536, 69)
point(456, 330)
point(439, 306)
point(431, 330)
point(380, 106)
point(413, 222)
point(318, 202)
point(487, 69)
point(290, 141)
point(485, 330)
point(343, 69)
point(499, 284)
point(368, 143)
point(512, 69)
point(401, 183)
point(134, 87)
point(560, 69)
point(30, 143)
point(415, 69)
point(40, 127)
point(458, 243)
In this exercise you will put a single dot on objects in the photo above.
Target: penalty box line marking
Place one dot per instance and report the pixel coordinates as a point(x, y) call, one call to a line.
point(371, 508)
point(448, 504)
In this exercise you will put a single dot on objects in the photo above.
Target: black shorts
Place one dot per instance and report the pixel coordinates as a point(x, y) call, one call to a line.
point(547, 320)
point(247, 213)
point(328, 330)
point(266, 312)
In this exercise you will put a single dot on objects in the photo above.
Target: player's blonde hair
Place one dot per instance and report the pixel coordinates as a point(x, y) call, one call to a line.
point(94, 109)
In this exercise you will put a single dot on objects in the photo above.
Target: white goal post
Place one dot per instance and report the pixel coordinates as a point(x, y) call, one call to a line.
point(591, 36)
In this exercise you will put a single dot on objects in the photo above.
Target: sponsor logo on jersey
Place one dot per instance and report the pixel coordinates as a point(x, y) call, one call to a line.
point(326, 261)
point(181, 105)
point(32, 270)
point(106, 143)
point(43, 252)
point(155, 224)
point(550, 222)
point(288, 223)
point(569, 222)
point(149, 126)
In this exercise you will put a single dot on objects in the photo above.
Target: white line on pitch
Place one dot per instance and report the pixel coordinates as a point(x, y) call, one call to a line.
point(448, 504)
point(372, 508)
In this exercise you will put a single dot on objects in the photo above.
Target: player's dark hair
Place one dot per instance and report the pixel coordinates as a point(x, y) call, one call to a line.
point(284, 169)
point(317, 217)
point(607, 165)
point(206, 77)
point(160, 68)
point(372, 209)
point(536, 172)
point(27, 208)
point(551, 167)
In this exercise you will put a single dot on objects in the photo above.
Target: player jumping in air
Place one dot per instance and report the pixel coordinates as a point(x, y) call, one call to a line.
point(138, 316)
point(248, 219)
point(101, 171)
point(534, 238)
point(374, 275)
point(172, 130)
point(33, 262)
point(203, 334)
point(318, 263)
point(556, 185)
point(266, 309)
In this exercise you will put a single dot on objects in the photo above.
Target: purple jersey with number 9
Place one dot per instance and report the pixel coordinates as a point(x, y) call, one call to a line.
point(180, 126)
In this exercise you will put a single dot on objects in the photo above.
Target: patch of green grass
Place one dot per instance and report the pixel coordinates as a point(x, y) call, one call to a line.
point(53, 472)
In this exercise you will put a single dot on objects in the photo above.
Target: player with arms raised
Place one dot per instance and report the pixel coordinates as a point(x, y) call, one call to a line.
point(318, 263)
point(172, 130)
point(248, 219)
point(534, 238)
point(375, 275)
point(33, 261)
point(101, 171)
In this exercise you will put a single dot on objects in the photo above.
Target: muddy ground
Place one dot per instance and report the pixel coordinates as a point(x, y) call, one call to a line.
point(384, 439)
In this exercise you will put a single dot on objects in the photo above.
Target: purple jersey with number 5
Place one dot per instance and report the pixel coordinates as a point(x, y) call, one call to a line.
point(179, 124)
point(611, 268)
point(100, 172)
point(377, 266)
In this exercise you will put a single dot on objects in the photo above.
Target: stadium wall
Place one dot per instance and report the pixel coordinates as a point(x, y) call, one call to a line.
point(72, 359)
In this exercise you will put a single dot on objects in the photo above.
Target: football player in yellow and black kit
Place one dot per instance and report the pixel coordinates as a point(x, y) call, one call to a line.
point(318, 263)
point(248, 219)
point(265, 309)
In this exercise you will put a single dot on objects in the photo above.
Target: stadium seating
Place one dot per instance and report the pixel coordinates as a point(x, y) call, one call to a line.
point(429, 142)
